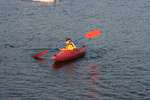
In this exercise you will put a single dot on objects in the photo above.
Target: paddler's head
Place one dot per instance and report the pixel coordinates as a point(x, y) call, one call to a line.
point(68, 40)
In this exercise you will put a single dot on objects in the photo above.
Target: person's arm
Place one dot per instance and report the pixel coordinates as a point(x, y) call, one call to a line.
point(73, 45)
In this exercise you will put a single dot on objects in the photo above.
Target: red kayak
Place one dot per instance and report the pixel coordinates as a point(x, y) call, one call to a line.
point(68, 55)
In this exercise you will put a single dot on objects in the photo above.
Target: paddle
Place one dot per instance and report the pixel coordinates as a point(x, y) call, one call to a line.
point(39, 55)
point(93, 33)
point(89, 35)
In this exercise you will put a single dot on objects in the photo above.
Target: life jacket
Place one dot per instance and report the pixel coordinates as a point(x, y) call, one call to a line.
point(70, 45)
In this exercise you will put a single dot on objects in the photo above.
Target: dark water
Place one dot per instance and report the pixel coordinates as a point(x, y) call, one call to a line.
point(116, 66)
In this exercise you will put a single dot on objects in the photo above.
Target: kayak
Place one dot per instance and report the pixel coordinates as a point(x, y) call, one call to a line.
point(67, 55)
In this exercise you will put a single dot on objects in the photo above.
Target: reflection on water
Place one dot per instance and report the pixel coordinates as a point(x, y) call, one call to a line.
point(94, 73)
point(68, 70)
point(94, 78)
point(58, 65)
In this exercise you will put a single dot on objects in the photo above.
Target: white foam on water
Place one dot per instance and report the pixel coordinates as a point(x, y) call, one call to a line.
point(48, 1)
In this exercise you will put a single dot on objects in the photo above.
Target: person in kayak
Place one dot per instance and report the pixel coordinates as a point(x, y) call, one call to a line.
point(69, 45)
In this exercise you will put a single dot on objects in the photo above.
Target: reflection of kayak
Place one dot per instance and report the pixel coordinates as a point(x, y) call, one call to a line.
point(68, 55)
point(57, 65)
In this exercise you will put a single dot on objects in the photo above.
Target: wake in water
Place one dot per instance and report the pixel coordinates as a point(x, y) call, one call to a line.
point(46, 1)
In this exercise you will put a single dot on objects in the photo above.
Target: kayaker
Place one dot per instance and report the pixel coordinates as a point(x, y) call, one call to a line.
point(69, 45)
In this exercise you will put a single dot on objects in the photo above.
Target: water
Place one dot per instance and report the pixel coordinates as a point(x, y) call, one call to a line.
point(116, 66)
